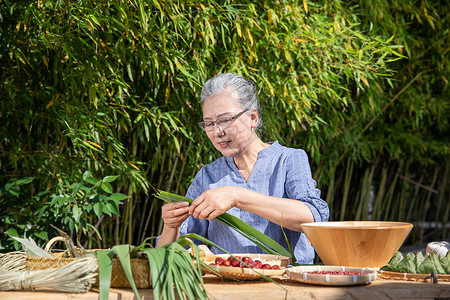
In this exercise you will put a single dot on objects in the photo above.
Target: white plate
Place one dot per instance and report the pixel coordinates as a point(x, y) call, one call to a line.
point(301, 274)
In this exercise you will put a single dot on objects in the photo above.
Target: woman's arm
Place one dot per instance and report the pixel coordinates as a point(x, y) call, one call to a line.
point(284, 212)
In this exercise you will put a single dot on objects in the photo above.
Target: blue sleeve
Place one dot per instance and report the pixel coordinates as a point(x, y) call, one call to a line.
point(301, 186)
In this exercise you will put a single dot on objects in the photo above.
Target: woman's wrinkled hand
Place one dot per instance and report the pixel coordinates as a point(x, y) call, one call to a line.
point(214, 202)
point(175, 213)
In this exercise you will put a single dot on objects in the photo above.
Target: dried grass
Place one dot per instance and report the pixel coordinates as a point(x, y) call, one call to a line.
point(75, 277)
point(13, 261)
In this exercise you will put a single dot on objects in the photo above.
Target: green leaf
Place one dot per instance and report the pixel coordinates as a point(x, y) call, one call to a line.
point(263, 241)
point(94, 181)
point(110, 178)
point(106, 210)
point(76, 211)
point(106, 186)
point(14, 190)
point(118, 197)
point(112, 208)
point(123, 254)
point(86, 175)
point(104, 272)
point(390, 39)
point(98, 209)
point(30, 247)
point(11, 231)
point(24, 180)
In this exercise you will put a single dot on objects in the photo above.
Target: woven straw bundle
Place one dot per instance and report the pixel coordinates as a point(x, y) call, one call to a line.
point(76, 276)
point(20, 271)
point(140, 269)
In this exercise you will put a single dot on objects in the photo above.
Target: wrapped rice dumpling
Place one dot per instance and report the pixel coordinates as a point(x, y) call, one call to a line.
point(418, 259)
point(406, 265)
point(431, 264)
point(391, 266)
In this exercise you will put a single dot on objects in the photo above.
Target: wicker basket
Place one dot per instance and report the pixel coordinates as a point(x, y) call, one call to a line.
point(57, 260)
point(140, 268)
point(246, 273)
point(412, 277)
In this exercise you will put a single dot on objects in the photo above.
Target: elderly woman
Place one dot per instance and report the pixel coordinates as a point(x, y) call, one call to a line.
point(264, 184)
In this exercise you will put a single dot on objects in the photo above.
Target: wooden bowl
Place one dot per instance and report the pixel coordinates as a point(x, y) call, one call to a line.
point(361, 244)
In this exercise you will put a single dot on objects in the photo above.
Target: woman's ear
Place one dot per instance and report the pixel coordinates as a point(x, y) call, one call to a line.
point(254, 118)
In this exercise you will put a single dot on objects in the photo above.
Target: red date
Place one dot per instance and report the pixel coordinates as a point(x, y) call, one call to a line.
point(246, 262)
point(348, 273)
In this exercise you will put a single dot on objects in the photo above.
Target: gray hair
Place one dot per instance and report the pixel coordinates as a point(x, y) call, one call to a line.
point(246, 91)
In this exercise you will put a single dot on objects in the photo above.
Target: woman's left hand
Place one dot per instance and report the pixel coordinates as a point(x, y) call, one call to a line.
point(215, 202)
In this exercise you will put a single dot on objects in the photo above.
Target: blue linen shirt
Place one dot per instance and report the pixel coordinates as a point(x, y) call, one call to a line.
point(279, 172)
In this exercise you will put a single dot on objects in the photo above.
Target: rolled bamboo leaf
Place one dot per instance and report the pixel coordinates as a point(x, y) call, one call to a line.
point(263, 241)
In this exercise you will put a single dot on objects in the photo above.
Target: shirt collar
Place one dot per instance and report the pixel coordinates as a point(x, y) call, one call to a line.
point(274, 147)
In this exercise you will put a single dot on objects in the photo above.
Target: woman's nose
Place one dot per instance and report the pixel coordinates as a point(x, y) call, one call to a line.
point(218, 130)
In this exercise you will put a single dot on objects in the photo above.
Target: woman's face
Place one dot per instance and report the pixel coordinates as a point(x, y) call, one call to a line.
point(235, 139)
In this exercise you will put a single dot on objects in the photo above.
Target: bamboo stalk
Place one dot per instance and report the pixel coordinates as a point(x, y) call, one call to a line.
point(413, 203)
point(377, 209)
point(331, 192)
point(444, 191)
point(390, 193)
point(427, 203)
point(402, 199)
point(347, 182)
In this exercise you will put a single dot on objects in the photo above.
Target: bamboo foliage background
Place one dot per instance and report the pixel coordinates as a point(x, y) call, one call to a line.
point(112, 87)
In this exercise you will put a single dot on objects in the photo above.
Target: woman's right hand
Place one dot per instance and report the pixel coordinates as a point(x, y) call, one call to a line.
point(175, 213)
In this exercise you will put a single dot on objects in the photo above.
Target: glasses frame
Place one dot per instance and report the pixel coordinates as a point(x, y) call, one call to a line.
point(202, 124)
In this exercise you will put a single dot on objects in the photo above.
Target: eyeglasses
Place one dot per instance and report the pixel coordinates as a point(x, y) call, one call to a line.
point(223, 123)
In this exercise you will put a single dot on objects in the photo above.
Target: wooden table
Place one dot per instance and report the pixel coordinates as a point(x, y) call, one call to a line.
point(252, 290)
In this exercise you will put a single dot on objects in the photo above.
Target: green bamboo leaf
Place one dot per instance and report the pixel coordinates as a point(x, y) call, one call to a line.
point(156, 269)
point(104, 259)
point(123, 254)
point(266, 243)
point(24, 180)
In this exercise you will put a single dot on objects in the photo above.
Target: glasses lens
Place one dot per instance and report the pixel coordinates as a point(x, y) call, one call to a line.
point(224, 122)
point(206, 125)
